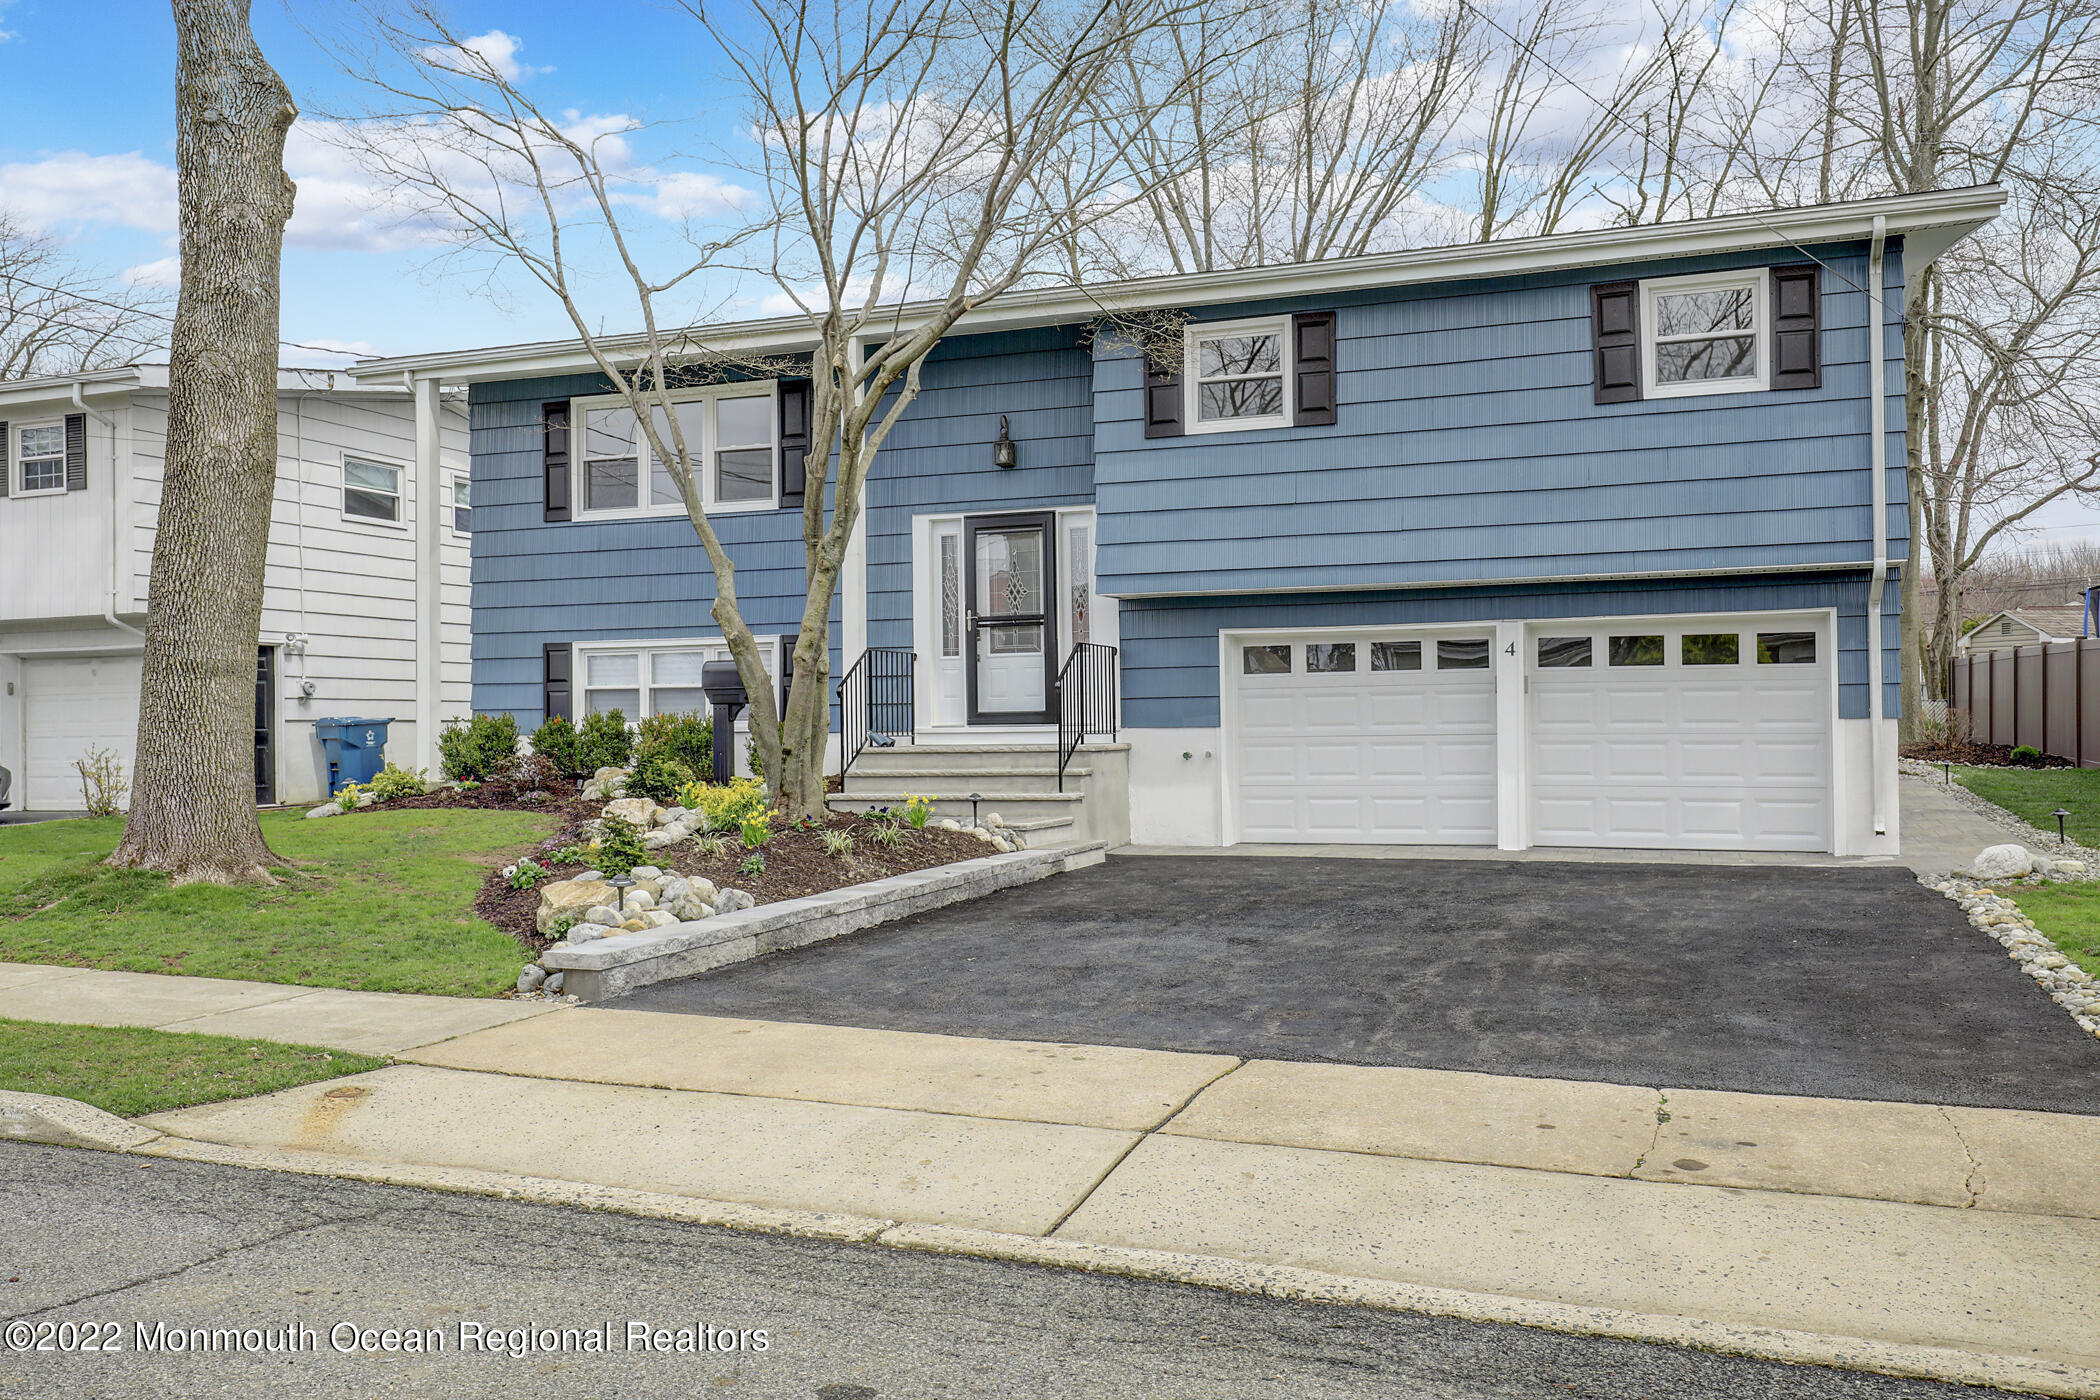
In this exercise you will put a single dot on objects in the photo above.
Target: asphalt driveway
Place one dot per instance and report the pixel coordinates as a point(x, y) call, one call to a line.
point(1851, 983)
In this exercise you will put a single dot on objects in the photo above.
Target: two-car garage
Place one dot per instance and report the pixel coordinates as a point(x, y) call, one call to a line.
point(1698, 733)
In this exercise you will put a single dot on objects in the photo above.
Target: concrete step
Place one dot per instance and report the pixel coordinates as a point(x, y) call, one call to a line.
point(945, 803)
point(969, 758)
point(936, 781)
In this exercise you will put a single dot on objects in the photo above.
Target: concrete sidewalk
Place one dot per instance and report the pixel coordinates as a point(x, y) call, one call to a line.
point(370, 1023)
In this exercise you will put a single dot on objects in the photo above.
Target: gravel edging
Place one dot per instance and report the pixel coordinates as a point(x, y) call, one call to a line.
point(2042, 843)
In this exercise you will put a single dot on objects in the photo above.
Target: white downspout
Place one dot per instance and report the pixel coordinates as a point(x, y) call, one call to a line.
point(116, 516)
point(1877, 454)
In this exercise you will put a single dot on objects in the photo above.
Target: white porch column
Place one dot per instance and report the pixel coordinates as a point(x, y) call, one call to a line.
point(1512, 740)
point(427, 530)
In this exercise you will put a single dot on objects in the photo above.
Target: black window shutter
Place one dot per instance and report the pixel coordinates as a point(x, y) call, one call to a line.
point(1162, 400)
point(7, 466)
point(554, 697)
point(794, 439)
point(554, 456)
point(1615, 327)
point(1312, 336)
point(1797, 339)
point(76, 452)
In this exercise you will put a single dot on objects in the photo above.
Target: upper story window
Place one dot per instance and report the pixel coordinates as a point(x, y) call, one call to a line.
point(371, 491)
point(732, 438)
point(1238, 375)
point(40, 454)
point(1708, 334)
point(462, 505)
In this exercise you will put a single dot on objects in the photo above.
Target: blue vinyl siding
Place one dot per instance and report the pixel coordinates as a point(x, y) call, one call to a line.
point(1468, 447)
point(585, 580)
point(1170, 646)
point(938, 460)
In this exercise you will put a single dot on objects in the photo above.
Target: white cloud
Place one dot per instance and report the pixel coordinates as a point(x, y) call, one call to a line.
point(691, 195)
point(123, 189)
point(161, 272)
point(473, 57)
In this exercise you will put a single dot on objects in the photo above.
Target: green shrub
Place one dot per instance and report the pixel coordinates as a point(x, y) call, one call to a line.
point(603, 742)
point(754, 864)
point(689, 738)
point(2026, 753)
point(656, 774)
point(620, 849)
point(756, 829)
point(559, 742)
point(725, 805)
point(474, 748)
point(394, 782)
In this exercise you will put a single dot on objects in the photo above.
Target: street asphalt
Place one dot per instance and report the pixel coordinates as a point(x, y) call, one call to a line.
point(1832, 982)
point(169, 1246)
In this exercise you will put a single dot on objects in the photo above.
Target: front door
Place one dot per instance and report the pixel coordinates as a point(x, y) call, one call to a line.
point(1010, 562)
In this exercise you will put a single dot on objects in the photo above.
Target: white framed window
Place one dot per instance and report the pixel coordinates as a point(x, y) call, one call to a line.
point(640, 679)
point(461, 510)
point(732, 437)
point(40, 458)
point(371, 491)
point(1708, 334)
point(1237, 375)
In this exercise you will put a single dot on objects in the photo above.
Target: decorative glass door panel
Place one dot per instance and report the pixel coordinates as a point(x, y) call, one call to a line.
point(1011, 562)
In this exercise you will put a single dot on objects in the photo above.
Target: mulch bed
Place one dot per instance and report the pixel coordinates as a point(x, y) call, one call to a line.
point(1981, 755)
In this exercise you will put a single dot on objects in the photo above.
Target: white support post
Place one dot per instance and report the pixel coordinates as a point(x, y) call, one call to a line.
point(1512, 739)
point(428, 534)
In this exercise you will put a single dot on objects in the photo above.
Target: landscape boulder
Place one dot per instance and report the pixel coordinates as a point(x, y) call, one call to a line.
point(640, 811)
point(2006, 862)
point(573, 899)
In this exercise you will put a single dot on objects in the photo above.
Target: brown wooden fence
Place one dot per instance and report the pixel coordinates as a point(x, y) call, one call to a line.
point(2047, 696)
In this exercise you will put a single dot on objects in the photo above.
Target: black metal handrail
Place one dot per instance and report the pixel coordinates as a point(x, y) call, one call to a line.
point(1086, 700)
point(876, 701)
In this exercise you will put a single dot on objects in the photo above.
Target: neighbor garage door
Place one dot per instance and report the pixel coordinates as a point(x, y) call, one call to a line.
point(1365, 738)
point(73, 704)
point(1698, 734)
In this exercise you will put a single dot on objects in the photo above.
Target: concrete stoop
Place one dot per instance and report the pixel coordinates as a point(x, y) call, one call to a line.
point(1019, 781)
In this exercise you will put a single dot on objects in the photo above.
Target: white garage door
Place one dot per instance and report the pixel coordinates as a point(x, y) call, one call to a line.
point(1366, 739)
point(1702, 735)
point(72, 704)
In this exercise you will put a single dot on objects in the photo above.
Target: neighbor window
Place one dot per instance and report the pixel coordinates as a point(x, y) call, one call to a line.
point(42, 453)
point(1711, 648)
point(1238, 376)
point(1266, 660)
point(1636, 651)
point(730, 433)
point(1396, 656)
point(1466, 654)
point(1705, 335)
point(644, 681)
point(462, 505)
point(1325, 657)
point(1564, 651)
point(1786, 648)
point(371, 490)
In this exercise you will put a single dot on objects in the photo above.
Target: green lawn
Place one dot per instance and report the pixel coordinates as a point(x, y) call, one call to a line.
point(2031, 794)
point(130, 1072)
point(2070, 915)
point(376, 901)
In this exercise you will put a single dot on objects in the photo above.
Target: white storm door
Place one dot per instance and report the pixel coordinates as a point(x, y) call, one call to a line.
point(1010, 567)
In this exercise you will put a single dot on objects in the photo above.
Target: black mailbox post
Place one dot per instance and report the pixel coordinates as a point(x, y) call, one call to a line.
point(726, 697)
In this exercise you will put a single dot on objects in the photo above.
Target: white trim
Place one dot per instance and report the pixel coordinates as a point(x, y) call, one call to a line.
point(1928, 223)
point(579, 678)
point(400, 491)
point(17, 464)
point(1758, 280)
point(702, 454)
point(1746, 571)
point(1192, 381)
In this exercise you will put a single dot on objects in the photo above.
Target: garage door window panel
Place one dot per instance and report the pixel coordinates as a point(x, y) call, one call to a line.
point(1396, 656)
point(1786, 648)
point(1712, 649)
point(1636, 651)
point(1564, 651)
point(1463, 654)
point(1265, 660)
point(1327, 658)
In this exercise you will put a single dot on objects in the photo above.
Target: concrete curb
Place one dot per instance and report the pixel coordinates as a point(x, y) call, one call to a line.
point(607, 967)
point(65, 1122)
point(1284, 1282)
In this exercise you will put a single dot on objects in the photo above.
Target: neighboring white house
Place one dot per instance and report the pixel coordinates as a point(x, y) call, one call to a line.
point(2025, 627)
point(365, 611)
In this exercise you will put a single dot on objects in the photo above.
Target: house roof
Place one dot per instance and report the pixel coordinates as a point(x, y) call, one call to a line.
point(1928, 223)
point(123, 379)
point(2051, 619)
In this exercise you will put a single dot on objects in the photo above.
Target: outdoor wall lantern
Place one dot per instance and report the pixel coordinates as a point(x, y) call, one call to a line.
point(1003, 454)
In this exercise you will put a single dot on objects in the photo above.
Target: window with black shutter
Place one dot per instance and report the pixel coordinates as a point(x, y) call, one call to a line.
point(554, 450)
point(1312, 361)
point(554, 697)
point(76, 452)
point(1163, 414)
point(1797, 350)
point(795, 400)
point(1615, 333)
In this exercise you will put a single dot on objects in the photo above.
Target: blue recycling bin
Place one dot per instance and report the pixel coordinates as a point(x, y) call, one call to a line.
point(356, 750)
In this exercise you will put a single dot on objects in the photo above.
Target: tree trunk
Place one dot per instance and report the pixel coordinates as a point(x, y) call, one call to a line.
point(193, 793)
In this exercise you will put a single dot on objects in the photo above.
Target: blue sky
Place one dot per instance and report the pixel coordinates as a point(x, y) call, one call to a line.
point(87, 151)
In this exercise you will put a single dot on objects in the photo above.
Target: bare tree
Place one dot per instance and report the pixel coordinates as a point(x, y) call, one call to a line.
point(931, 152)
point(56, 317)
point(193, 798)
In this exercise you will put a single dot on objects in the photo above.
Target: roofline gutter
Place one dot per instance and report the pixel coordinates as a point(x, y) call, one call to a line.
point(1877, 463)
point(1930, 222)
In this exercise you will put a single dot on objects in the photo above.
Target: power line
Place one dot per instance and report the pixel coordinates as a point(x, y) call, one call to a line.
point(156, 315)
